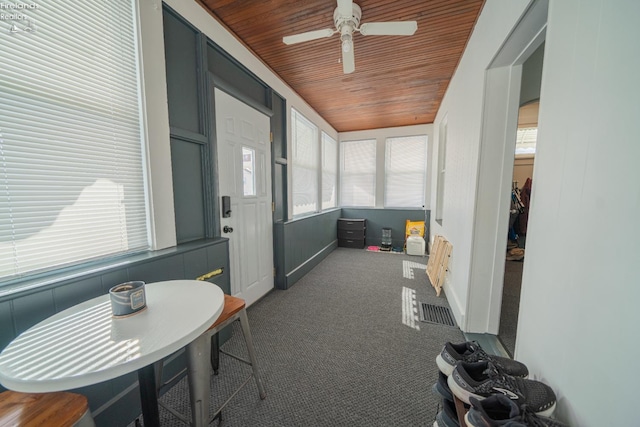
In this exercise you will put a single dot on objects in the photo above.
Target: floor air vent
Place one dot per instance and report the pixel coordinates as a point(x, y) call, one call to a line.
point(436, 314)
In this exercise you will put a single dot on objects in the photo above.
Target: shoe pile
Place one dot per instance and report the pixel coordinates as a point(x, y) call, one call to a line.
point(498, 410)
point(447, 416)
point(495, 390)
point(511, 244)
point(515, 254)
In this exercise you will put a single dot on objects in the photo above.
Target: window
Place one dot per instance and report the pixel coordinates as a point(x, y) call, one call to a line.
point(442, 161)
point(526, 140)
point(304, 135)
point(71, 158)
point(358, 173)
point(248, 171)
point(329, 171)
point(405, 171)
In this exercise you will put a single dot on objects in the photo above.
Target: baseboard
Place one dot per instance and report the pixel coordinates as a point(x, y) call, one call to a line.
point(489, 343)
point(456, 307)
point(297, 273)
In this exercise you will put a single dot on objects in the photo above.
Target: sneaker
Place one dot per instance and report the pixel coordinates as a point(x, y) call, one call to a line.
point(471, 351)
point(448, 416)
point(495, 410)
point(441, 388)
point(483, 379)
point(499, 410)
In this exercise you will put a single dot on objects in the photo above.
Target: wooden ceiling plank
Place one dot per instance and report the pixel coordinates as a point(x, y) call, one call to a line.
point(398, 80)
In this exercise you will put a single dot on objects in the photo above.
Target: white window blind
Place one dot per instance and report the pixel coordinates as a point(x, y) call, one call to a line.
point(405, 171)
point(305, 166)
point(358, 173)
point(329, 171)
point(71, 162)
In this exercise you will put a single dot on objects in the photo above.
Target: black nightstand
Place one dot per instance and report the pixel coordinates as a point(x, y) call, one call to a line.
point(351, 232)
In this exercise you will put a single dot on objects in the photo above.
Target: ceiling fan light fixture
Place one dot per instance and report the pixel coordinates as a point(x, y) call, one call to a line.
point(346, 18)
point(346, 42)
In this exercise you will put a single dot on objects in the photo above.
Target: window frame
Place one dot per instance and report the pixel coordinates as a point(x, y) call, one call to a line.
point(344, 174)
point(441, 171)
point(84, 121)
point(422, 170)
point(324, 171)
point(314, 170)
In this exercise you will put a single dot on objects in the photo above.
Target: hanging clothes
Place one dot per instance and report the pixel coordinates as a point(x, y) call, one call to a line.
point(525, 196)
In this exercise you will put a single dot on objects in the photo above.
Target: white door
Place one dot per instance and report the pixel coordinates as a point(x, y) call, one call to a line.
point(244, 155)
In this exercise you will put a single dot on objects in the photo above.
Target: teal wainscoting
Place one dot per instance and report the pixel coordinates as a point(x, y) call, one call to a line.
point(302, 243)
point(23, 304)
point(387, 218)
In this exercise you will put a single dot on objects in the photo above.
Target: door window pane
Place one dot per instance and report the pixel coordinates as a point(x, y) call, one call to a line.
point(248, 171)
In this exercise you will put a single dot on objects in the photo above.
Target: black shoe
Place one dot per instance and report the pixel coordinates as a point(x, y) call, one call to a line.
point(448, 416)
point(498, 410)
point(441, 388)
point(471, 351)
point(483, 379)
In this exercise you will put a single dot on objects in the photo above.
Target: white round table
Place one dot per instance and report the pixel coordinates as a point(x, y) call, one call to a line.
point(85, 345)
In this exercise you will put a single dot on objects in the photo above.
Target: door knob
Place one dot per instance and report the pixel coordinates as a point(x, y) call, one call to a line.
point(227, 229)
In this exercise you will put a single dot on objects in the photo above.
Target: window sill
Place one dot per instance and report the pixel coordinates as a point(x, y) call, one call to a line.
point(36, 283)
point(302, 217)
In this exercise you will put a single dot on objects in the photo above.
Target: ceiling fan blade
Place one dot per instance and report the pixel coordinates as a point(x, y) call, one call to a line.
point(399, 28)
point(345, 8)
point(309, 35)
point(348, 61)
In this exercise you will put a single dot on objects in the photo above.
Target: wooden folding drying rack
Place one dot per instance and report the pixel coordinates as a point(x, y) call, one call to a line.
point(438, 262)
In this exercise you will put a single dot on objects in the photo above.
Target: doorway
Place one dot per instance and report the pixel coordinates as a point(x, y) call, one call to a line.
point(244, 159)
point(522, 184)
point(495, 169)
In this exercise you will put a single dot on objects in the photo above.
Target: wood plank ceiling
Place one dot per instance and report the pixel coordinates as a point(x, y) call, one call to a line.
point(398, 81)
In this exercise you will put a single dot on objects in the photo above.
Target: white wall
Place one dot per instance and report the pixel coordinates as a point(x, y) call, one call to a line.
point(579, 311)
point(381, 135)
point(462, 107)
point(156, 124)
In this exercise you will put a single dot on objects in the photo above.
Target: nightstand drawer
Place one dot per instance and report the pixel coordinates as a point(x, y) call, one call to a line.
point(351, 234)
point(351, 243)
point(352, 224)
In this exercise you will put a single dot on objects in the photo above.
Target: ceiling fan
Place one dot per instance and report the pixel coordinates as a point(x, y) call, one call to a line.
point(346, 18)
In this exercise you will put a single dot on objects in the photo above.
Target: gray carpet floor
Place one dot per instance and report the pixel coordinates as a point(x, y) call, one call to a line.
point(334, 351)
point(510, 304)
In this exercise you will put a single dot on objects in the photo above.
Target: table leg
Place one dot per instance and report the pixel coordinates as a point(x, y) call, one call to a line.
point(215, 353)
point(198, 359)
point(148, 396)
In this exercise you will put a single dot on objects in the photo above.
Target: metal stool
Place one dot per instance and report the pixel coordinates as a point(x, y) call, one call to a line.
point(60, 409)
point(203, 351)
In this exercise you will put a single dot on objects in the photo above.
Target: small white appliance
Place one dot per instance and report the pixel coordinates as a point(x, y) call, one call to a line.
point(415, 245)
